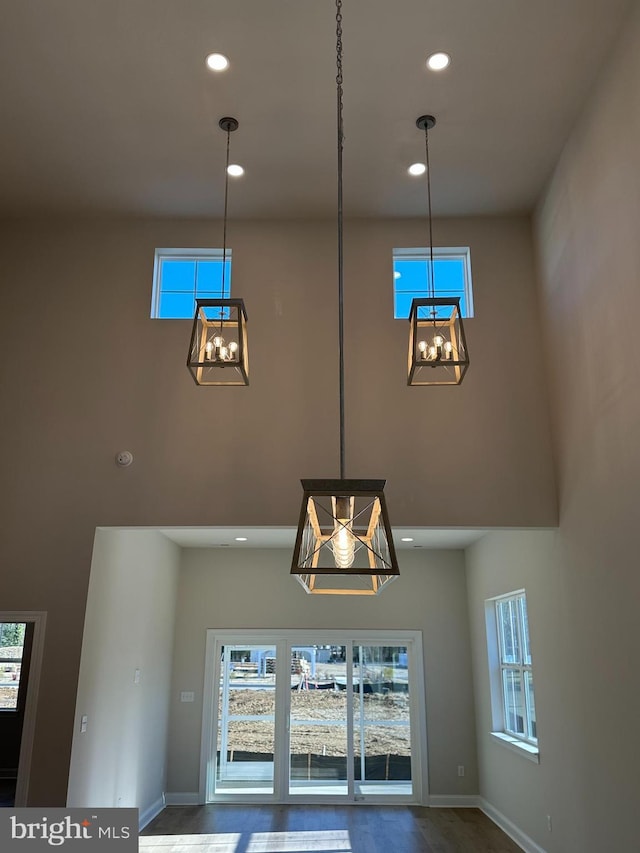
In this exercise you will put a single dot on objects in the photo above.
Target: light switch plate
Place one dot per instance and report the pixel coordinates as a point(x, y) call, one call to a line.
point(187, 696)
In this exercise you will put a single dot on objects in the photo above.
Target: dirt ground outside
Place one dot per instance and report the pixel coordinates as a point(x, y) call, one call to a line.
point(8, 696)
point(327, 733)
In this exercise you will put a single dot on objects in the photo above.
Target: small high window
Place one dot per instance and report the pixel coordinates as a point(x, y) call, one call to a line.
point(411, 277)
point(180, 276)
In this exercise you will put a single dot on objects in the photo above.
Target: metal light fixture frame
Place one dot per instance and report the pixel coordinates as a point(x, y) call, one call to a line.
point(218, 349)
point(438, 352)
point(343, 520)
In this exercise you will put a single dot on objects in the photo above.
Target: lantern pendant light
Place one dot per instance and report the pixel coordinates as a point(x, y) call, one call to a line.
point(218, 350)
point(438, 353)
point(344, 544)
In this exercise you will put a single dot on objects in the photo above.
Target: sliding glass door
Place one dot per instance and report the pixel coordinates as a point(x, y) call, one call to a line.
point(309, 717)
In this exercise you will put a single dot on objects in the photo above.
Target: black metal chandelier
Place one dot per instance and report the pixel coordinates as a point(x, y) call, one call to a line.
point(344, 544)
point(438, 353)
point(218, 350)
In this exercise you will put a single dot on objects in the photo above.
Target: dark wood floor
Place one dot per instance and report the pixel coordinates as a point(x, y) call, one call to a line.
point(324, 829)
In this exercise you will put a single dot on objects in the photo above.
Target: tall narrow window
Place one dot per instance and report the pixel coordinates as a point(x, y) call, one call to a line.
point(516, 716)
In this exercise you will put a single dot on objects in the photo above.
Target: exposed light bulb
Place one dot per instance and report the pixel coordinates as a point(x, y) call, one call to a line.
point(438, 340)
point(208, 350)
point(224, 353)
point(343, 542)
point(233, 347)
point(433, 352)
point(218, 341)
point(422, 346)
point(448, 349)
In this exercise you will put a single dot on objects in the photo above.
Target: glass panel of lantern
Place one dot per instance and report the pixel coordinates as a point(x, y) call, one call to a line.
point(218, 353)
point(437, 343)
point(344, 529)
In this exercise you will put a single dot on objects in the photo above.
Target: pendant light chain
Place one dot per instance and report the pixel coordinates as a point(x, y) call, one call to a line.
point(340, 237)
point(224, 226)
point(432, 289)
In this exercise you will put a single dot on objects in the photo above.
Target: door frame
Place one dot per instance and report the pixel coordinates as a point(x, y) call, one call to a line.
point(39, 620)
point(417, 701)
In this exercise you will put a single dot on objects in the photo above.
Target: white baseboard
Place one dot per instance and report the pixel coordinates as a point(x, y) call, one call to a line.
point(182, 799)
point(148, 814)
point(514, 833)
point(454, 801)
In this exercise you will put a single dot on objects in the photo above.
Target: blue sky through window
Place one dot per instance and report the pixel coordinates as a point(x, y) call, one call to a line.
point(180, 280)
point(411, 278)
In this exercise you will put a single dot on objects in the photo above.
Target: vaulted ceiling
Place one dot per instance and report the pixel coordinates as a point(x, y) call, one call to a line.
point(107, 106)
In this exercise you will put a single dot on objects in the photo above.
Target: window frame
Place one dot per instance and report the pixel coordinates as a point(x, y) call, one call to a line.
point(522, 743)
point(462, 253)
point(184, 254)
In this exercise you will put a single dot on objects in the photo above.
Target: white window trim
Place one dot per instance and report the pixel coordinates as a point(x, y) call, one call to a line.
point(461, 252)
point(498, 733)
point(177, 255)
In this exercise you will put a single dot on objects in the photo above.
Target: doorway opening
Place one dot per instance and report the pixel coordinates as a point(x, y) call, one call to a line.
point(21, 638)
point(311, 717)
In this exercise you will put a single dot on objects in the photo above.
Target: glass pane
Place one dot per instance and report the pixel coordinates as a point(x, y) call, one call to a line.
point(318, 723)
point(177, 306)
point(524, 623)
point(209, 279)
point(382, 734)
point(449, 274)
point(246, 720)
point(402, 304)
point(178, 275)
point(411, 275)
point(514, 708)
point(508, 631)
point(531, 706)
point(11, 649)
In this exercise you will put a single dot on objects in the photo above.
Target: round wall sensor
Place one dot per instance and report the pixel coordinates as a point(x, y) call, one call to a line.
point(124, 458)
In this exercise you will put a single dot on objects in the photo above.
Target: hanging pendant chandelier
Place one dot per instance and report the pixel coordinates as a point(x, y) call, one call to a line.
point(344, 544)
point(218, 350)
point(438, 353)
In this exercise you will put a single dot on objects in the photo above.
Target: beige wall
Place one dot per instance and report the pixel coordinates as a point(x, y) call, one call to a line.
point(521, 790)
point(249, 588)
point(584, 582)
point(121, 758)
point(86, 373)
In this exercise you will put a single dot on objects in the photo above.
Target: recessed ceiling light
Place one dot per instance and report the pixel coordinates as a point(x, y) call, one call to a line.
point(407, 539)
point(217, 62)
point(241, 538)
point(438, 61)
point(235, 170)
point(417, 169)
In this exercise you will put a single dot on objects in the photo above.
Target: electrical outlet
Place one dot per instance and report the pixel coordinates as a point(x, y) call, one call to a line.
point(549, 822)
point(460, 769)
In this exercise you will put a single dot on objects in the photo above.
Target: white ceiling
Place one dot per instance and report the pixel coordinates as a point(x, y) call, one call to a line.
point(284, 537)
point(107, 106)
